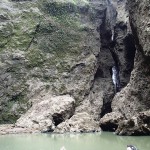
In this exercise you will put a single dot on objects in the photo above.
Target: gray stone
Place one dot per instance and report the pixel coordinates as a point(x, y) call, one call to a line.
point(47, 112)
point(111, 121)
point(137, 125)
point(80, 122)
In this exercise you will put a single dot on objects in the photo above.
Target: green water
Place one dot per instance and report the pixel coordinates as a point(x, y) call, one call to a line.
point(89, 141)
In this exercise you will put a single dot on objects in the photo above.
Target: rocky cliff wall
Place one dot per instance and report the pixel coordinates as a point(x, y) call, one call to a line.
point(133, 103)
point(68, 48)
point(49, 47)
point(134, 98)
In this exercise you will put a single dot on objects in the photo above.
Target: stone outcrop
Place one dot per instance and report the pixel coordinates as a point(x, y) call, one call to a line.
point(137, 125)
point(46, 45)
point(53, 46)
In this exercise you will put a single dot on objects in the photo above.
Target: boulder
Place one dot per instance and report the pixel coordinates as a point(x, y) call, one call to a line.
point(80, 122)
point(110, 121)
point(47, 113)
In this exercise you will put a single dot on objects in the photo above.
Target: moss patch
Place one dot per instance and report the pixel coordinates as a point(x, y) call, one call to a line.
point(35, 58)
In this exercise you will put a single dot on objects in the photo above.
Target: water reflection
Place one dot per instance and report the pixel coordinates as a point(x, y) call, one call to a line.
point(95, 141)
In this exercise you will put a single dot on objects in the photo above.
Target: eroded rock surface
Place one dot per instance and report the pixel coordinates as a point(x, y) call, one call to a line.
point(46, 45)
point(80, 122)
point(111, 121)
point(68, 48)
point(48, 113)
point(53, 46)
point(137, 125)
point(134, 98)
point(12, 129)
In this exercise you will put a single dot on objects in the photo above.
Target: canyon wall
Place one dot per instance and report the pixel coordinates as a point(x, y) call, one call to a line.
point(56, 59)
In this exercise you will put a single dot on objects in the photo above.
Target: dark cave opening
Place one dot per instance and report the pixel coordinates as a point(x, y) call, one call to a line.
point(106, 109)
point(130, 50)
point(109, 127)
point(57, 118)
point(99, 73)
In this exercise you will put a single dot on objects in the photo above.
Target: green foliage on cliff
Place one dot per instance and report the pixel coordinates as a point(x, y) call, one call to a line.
point(44, 35)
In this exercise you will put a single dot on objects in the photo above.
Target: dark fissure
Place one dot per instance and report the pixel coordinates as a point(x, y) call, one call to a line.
point(118, 48)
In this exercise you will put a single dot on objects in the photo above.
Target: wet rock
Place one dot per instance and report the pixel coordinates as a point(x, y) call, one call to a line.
point(137, 125)
point(48, 113)
point(110, 121)
point(80, 122)
point(11, 129)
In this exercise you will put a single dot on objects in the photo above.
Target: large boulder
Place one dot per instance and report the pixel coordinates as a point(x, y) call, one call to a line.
point(47, 113)
point(80, 122)
point(111, 121)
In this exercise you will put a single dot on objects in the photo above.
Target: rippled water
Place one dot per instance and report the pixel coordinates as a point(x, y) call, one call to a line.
point(89, 141)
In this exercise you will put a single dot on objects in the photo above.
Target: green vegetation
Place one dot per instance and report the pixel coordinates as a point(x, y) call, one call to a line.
point(58, 9)
point(35, 58)
point(13, 109)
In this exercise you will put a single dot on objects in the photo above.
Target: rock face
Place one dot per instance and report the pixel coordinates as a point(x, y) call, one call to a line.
point(134, 98)
point(140, 23)
point(53, 46)
point(46, 45)
point(56, 59)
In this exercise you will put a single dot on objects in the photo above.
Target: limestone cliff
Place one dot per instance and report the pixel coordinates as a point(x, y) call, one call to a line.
point(134, 98)
point(56, 59)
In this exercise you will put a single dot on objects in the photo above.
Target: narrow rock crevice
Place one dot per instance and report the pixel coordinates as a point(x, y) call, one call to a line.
point(106, 107)
point(117, 40)
point(107, 46)
point(130, 50)
point(34, 35)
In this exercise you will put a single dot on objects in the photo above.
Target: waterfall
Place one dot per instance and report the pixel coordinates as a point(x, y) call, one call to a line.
point(113, 34)
point(116, 78)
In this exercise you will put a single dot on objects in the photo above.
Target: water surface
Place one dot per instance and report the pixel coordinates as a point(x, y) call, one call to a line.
point(89, 141)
